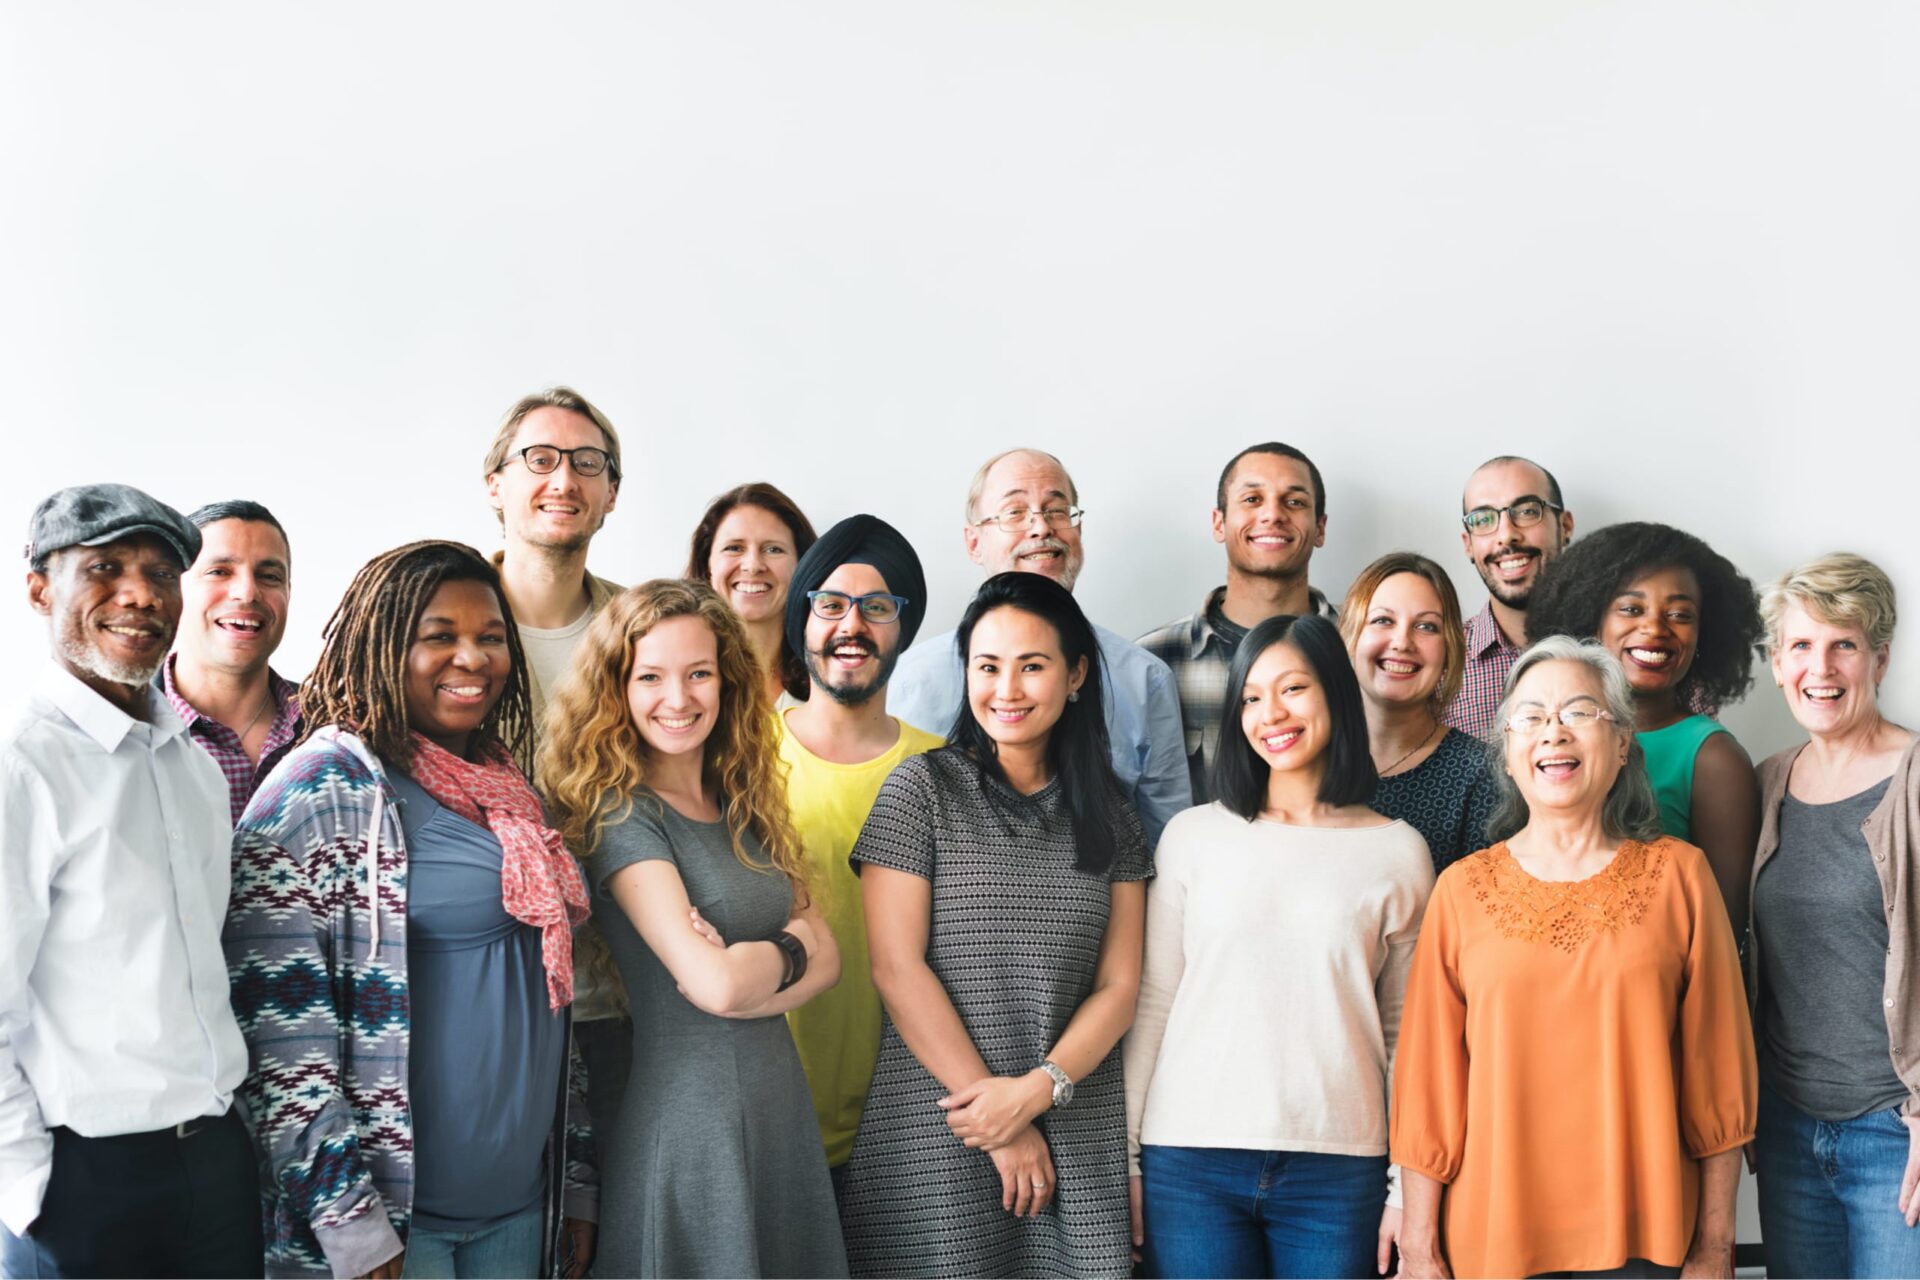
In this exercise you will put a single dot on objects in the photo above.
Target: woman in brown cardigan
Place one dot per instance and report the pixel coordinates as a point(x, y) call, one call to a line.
point(1835, 917)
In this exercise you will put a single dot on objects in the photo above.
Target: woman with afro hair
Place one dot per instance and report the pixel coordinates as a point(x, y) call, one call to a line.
point(1686, 626)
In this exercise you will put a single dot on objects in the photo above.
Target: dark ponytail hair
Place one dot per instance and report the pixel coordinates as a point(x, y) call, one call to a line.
point(1077, 748)
point(1240, 776)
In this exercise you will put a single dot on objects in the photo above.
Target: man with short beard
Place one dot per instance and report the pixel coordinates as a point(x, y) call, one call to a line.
point(856, 600)
point(1270, 513)
point(1023, 513)
point(1513, 522)
point(120, 1150)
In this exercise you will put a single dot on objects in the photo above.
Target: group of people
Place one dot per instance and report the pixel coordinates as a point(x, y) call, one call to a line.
point(722, 925)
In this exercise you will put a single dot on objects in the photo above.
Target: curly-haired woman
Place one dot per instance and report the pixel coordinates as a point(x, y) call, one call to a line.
point(661, 762)
point(399, 941)
point(1686, 627)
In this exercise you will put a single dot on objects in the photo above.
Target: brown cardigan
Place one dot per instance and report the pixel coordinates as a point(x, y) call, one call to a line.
point(1893, 836)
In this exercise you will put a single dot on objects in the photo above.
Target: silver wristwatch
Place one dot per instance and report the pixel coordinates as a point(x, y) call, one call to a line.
point(1062, 1087)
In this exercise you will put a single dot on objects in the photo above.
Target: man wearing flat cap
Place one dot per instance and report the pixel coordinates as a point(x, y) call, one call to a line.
point(856, 600)
point(1023, 513)
point(120, 1150)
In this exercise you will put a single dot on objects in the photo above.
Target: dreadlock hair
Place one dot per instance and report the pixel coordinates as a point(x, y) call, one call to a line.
point(360, 680)
point(1579, 584)
point(593, 762)
point(1077, 751)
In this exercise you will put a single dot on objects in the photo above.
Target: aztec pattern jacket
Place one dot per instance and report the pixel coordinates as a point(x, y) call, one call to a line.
point(316, 943)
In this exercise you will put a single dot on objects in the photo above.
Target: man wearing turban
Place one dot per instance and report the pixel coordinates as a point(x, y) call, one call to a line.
point(856, 601)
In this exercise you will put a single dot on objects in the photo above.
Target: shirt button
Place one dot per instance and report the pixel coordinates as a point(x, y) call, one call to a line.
point(173, 835)
point(1889, 1002)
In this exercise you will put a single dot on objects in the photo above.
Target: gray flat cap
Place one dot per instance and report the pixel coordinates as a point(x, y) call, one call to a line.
point(89, 514)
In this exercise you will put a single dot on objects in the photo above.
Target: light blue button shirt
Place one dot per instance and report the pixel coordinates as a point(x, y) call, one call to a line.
point(1143, 716)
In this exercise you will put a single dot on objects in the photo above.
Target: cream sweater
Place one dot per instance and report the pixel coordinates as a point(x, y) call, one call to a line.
point(1276, 963)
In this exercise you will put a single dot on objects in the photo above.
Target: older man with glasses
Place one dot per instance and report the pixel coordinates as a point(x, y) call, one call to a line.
point(1514, 522)
point(1023, 513)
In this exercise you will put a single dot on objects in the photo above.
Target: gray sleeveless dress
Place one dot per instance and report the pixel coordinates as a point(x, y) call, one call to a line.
point(715, 1166)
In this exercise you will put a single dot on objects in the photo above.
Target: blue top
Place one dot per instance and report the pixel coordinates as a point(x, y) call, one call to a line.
point(1143, 717)
point(1447, 798)
point(484, 1073)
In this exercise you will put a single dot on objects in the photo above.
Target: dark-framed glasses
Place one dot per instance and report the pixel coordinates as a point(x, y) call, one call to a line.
point(876, 606)
point(1524, 514)
point(1577, 717)
point(1014, 519)
point(542, 459)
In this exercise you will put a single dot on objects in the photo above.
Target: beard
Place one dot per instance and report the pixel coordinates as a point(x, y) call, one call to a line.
point(848, 694)
point(78, 648)
point(1515, 595)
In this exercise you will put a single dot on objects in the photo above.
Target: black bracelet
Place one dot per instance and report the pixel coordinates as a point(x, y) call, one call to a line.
point(796, 956)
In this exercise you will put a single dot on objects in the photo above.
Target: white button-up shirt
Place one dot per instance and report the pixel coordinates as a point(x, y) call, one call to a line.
point(115, 848)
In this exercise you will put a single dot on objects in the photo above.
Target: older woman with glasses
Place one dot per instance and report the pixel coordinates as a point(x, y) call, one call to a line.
point(1834, 918)
point(1575, 1076)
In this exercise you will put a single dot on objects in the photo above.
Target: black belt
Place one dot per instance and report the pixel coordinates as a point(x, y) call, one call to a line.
point(176, 1133)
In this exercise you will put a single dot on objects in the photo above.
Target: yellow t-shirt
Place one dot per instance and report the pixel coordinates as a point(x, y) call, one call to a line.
point(838, 1031)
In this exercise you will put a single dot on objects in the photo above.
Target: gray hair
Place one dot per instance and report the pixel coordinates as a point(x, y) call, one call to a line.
point(977, 489)
point(1631, 812)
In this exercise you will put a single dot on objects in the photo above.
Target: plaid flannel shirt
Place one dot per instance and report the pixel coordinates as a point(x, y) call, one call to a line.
point(1199, 657)
point(223, 744)
point(1489, 658)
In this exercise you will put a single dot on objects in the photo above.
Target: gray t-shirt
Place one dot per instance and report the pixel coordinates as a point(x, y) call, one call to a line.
point(1818, 906)
point(550, 651)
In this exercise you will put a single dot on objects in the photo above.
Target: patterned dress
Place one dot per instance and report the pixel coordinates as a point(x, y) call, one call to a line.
point(1015, 937)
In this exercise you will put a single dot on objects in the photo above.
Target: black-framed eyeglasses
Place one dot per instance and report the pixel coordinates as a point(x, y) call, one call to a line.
point(1524, 514)
point(1014, 519)
point(543, 459)
point(876, 606)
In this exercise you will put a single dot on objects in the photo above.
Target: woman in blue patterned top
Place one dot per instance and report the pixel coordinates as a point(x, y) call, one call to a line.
point(1401, 622)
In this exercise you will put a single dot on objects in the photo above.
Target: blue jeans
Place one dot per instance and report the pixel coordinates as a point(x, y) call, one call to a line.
point(508, 1251)
point(1213, 1211)
point(1830, 1193)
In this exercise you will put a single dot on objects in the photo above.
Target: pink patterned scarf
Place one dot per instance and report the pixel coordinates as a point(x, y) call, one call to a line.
point(540, 883)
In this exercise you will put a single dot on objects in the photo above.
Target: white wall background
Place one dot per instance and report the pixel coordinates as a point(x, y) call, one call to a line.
point(310, 254)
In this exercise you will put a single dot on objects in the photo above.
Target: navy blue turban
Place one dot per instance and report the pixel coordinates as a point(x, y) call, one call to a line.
point(861, 539)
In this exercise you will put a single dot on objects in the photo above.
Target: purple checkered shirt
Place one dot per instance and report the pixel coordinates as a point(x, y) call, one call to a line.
point(223, 744)
point(1489, 658)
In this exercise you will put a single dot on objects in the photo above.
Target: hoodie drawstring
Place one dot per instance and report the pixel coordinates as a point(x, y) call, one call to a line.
point(373, 869)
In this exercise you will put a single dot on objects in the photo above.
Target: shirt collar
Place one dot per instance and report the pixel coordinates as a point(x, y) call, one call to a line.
point(1200, 634)
point(285, 697)
point(99, 719)
point(1483, 633)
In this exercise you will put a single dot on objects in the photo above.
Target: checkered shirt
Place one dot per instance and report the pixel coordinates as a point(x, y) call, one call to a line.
point(1199, 657)
point(1489, 658)
point(223, 744)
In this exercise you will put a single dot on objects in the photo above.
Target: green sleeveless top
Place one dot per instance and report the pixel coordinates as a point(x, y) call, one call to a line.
point(1670, 753)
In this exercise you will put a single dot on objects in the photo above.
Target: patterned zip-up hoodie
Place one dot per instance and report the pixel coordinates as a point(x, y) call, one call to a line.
point(319, 981)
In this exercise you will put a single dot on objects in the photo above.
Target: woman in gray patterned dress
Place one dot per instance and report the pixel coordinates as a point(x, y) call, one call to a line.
point(663, 764)
point(1003, 883)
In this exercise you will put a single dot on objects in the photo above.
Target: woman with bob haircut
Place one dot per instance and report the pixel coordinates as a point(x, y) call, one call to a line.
point(1279, 933)
point(1576, 1076)
point(1001, 877)
point(1685, 626)
point(1401, 624)
point(400, 947)
point(746, 547)
point(1831, 953)
point(660, 761)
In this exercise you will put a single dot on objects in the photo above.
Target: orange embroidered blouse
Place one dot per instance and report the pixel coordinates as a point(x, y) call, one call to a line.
point(1569, 1052)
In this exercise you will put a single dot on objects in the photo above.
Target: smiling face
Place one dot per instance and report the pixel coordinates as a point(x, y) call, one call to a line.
point(1509, 559)
point(1829, 673)
point(1269, 526)
point(234, 599)
point(457, 665)
point(559, 511)
point(851, 658)
point(752, 562)
point(1018, 678)
point(114, 610)
point(1035, 482)
point(1400, 654)
point(1283, 710)
point(1558, 770)
point(673, 694)
point(1653, 627)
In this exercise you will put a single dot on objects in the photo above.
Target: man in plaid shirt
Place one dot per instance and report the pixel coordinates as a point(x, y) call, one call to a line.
point(1514, 521)
point(1270, 512)
point(234, 612)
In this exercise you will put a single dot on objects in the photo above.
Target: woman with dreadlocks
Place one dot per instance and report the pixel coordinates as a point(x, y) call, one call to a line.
point(399, 942)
